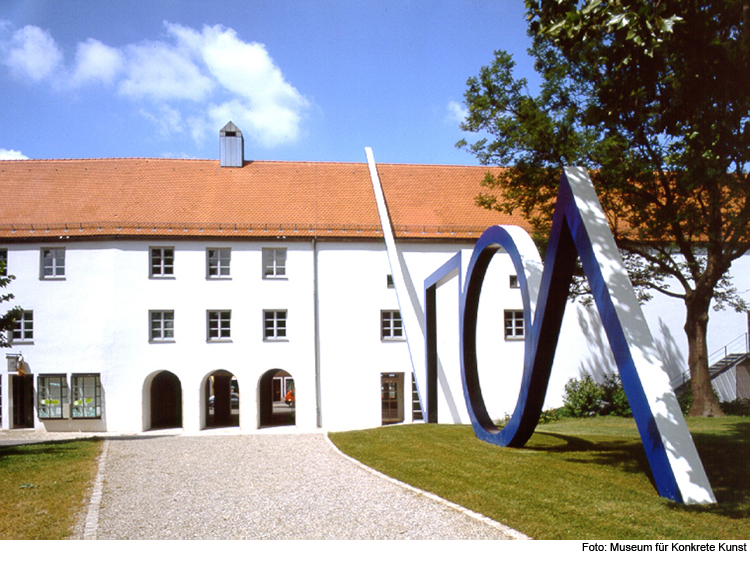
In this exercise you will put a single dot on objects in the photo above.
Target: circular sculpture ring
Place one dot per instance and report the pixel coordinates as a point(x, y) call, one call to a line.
point(522, 251)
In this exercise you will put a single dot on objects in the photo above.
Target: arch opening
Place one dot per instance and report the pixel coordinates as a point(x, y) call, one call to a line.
point(222, 400)
point(166, 401)
point(277, 399)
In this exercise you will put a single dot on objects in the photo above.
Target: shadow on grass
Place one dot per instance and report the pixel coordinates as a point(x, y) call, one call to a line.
point(44, 448)
point(725, 457)
point(628, 457)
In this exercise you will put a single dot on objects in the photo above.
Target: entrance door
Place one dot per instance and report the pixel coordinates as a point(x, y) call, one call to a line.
point(392, 397)
point(23, 401)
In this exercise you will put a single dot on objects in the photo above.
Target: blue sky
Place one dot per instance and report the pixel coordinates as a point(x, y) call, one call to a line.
point(311, 80)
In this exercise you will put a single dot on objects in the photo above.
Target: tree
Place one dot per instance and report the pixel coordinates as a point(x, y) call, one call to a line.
point(8, 320)
point(653, 98)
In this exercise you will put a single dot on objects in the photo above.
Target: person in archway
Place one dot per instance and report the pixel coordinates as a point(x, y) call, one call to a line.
point(289, 398)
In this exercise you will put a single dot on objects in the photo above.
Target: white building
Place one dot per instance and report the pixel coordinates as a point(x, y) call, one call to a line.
point(165, 293)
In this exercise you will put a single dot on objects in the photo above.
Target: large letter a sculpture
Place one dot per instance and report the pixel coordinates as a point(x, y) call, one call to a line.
point(579, 229)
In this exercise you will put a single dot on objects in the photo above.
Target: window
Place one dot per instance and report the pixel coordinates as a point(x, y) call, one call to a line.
point(53, 263)
point(87, 396)
point(513, 281)
point(274, 324)
point(161, 325)
point(219, 325)
point(52, 394)
point(274, 263)
point(389, 281)
point(23, 328)
point(391, 326)
point(218, 262)
point(514, 324)
point(3, 262)
point(162, 262)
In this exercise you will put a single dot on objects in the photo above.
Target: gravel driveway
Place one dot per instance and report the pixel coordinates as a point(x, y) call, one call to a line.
point(281, 486)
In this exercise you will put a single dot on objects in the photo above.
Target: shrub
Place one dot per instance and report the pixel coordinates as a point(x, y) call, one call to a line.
point(583, 397)
point(615, 399)
point(586, 397)
point(736, 407)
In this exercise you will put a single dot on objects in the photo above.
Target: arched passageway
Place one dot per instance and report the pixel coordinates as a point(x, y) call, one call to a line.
point(277, 399)
point(222, 397)
point(166, 401)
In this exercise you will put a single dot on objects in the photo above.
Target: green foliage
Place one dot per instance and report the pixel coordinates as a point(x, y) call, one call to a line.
point(7, 320)
point(653, 99)
point(585, 397)
point(736, 407)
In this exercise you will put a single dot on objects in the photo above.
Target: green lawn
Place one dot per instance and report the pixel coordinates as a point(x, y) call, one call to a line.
point(43, 488)
point(575, 479)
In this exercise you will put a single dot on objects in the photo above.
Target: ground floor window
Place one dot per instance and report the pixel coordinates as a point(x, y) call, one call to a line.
point(274, 324)
point(52, 394)
point(391, 326)
point(219, 325)
point(23, 328)
point(87, 396)
point(162, 325)
point(514, 324)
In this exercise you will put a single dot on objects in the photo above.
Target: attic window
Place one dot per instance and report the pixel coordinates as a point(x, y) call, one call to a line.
point(230, 134)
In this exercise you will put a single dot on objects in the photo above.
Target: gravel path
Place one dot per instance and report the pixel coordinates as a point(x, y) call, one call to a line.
point(285, 486)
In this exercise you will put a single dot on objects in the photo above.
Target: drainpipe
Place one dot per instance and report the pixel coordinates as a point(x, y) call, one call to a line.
point(316, 333)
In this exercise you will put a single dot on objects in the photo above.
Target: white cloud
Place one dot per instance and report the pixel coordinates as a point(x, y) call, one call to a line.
point(456, 113)
point(262, 98)
point(163, 72)
point(167, 119)
point(33, 53)
point(196, 80)
point(96, 62)
point(11, 155)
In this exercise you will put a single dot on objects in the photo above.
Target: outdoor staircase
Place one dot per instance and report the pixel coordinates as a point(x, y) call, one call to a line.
point(733, 353)
point(726, 362)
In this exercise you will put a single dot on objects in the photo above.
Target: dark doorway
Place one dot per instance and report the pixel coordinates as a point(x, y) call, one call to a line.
point(166, 401)
point(23, 401)
point(277, 399)
point(222, 400)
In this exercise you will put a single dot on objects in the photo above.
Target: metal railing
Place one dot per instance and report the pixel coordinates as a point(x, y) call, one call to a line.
point(739, 345)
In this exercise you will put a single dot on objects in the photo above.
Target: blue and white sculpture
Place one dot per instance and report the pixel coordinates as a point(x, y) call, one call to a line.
point(579, 230)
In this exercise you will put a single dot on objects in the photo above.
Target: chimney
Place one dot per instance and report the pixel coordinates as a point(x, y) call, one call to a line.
point(232, 146)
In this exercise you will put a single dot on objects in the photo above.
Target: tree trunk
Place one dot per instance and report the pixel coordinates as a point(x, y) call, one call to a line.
point(704, 402)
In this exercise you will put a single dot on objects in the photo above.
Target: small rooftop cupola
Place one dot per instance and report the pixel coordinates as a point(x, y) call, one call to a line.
point(232, 146)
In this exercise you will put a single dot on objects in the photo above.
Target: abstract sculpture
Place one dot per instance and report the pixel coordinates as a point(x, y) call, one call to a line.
point(579, 230)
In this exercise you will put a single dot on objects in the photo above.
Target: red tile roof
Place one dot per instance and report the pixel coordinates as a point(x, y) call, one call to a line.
point(142, 196)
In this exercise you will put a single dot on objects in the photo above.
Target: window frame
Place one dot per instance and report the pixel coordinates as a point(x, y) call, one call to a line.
point(274, 267)
point(78, 400)
point(163, 266)
point(222, 316)
point(221, 266)
point(513, 325)
point(279, 328)
point(23, 327)
point(163, 329)
point(44, 395)
point(57, 268)
point(389, 329)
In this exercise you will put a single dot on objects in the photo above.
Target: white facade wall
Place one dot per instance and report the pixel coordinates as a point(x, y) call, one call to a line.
point(96, 320)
